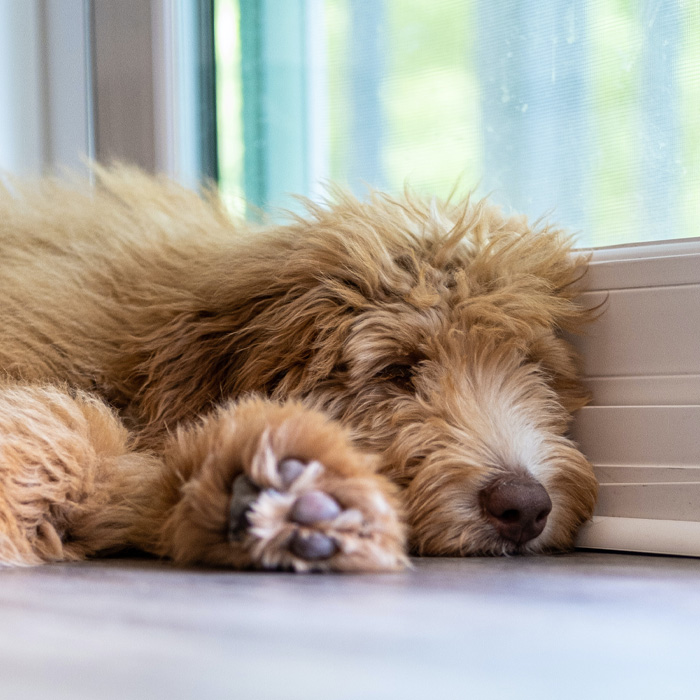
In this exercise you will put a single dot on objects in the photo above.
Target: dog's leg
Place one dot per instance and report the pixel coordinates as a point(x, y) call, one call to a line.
point(70, 486)
point(258, 484)
point(255, 484)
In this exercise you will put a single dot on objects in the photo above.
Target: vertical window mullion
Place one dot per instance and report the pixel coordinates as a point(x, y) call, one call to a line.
point(254, 171)
point(660, 126)
point(206, 82)
point(22, 137)
point(367, 57)
point(276, 104)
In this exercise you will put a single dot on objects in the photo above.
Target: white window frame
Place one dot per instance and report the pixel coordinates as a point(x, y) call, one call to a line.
point(47, 124)
point(145, 101)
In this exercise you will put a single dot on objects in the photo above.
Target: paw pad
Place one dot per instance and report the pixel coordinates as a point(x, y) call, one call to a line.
point(287, 515)
point(313, 507)
point(309, 509)
point(312, 546)
point(290, 470)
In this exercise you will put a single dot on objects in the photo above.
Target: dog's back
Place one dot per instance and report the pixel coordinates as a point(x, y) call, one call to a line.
point(85, 272)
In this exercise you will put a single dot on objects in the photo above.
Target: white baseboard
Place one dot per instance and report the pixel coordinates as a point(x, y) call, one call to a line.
point(678, 537)
point(642, 363)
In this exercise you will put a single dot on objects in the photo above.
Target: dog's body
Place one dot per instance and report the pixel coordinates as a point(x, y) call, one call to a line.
point(287, 396)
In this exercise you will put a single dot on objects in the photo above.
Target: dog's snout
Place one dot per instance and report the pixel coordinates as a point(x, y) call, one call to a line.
point(517, 507)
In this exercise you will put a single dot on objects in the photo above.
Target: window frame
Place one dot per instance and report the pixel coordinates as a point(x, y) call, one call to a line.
point(49, 118)
point(148, 91)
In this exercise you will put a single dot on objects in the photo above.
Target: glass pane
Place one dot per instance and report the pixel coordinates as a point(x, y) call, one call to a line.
point(229, 101)
point(583, 112)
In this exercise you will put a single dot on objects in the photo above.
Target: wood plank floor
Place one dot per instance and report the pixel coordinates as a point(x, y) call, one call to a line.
point(585, 625)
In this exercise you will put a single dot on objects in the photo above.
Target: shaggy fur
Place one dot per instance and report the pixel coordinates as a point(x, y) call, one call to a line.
point(404, 355)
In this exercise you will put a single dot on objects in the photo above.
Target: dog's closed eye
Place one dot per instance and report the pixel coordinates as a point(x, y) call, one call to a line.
point(401, 373)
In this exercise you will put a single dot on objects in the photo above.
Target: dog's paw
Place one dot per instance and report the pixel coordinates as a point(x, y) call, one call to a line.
point(296, 514)
point(278, 487)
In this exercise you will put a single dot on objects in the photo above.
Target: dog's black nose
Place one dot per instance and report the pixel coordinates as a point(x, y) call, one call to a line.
point(517, 507)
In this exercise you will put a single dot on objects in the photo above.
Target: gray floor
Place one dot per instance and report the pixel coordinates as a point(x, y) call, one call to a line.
point(588, 625)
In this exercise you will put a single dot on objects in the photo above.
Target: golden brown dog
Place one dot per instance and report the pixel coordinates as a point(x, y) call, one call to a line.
point(303, 396)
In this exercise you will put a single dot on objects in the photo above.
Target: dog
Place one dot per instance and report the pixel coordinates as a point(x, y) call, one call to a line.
point(369, 380)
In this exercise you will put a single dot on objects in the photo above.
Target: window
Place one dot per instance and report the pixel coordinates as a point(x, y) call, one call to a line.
point(585, 111)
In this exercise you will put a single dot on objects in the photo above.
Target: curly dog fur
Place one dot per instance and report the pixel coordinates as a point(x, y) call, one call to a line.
point(316, 395)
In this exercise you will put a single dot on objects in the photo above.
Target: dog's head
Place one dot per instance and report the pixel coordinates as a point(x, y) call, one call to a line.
point(438, 342)
point(433, 332)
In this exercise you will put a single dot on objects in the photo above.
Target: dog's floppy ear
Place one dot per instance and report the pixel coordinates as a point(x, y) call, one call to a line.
point(275, 341)
point(561, 366)
point(562, 270)
point(178, 369)
point(529, 279)
point(546, 254)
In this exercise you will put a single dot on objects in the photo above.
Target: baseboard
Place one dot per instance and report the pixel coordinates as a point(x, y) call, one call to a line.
point(677, 537)
point(642, 364)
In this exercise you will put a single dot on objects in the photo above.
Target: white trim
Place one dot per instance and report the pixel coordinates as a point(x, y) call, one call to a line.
point(164, 84)
point(146, 87)
point(175, 122)
point(644, 390)
point(611, 474)
point(642, 362)
point(123, 83)
point(642, 535)
point(652, 266)
point(68, 86)
point(640, 435)
point(644, 332)
point(46, 110)
point(634, 251)
point(22, 137)
point(675, 500)
point(317, 100)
